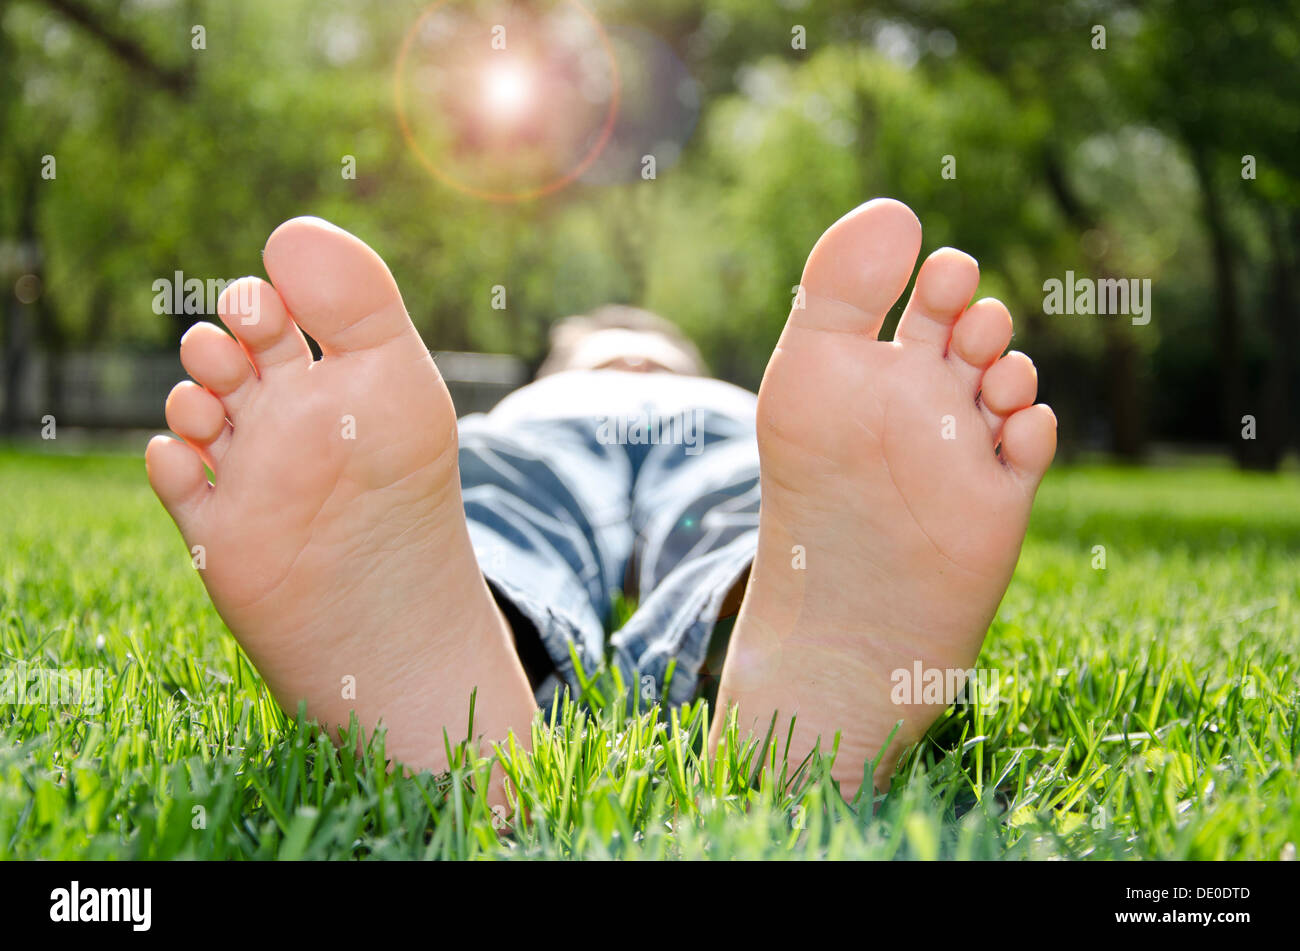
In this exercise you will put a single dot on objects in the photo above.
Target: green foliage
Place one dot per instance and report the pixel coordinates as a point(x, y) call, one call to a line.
point(1067, 157)
point(1149, 709)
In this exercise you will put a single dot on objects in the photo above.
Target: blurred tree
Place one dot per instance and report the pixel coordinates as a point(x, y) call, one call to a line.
point(1121, 161)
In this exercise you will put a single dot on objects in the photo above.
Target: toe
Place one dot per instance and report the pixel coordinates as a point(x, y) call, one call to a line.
point(978, 338)
point(944, 286)
point(858, 269)
point(216, 360)
point(336, 287)
point(1029, 442)
point(177, 476)
point(198, 417)
point(1009, 385)
point(255, 314)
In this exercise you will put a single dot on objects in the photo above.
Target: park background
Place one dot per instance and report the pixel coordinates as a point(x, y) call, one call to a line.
point(1168, 155)
point(1150, 705)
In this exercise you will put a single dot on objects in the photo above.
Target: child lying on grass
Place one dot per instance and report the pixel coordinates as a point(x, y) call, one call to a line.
point(368, 560)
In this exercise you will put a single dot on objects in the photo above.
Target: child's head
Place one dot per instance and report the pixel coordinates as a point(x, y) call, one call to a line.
point(615, 337)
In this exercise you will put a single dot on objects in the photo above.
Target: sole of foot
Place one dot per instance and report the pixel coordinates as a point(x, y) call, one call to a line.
point(332, 539)
point(897, 480)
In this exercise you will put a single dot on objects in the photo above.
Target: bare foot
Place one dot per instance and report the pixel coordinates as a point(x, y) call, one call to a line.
point(890, 526)
point(334, 541)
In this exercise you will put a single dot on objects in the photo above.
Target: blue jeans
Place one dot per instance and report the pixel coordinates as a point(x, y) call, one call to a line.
point(588, 484)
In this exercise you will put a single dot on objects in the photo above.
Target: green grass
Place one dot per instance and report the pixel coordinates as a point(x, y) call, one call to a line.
point(1147, 710)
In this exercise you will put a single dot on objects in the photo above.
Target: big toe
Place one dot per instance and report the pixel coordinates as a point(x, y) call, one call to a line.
point(336, 287)
point(859, 268)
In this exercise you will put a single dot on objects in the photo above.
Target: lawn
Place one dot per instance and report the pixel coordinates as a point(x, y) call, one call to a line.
point(1147, 709)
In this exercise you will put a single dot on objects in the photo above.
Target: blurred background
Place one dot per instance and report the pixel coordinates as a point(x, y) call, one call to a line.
point(682, 156)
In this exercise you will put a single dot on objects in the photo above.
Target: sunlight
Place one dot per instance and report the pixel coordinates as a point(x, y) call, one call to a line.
point(507, 89)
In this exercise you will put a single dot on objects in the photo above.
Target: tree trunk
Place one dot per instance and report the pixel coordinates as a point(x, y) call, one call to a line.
point(1274, 432)
point(1125, 411)
point(17, 353)
point(1124, 395)
point(1227, 312)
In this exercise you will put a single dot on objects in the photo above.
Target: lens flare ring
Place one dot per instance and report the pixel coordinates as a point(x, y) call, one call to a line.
point(509, 88)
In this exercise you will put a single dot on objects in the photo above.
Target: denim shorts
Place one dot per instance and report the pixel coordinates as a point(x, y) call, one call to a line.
point(590, 485)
